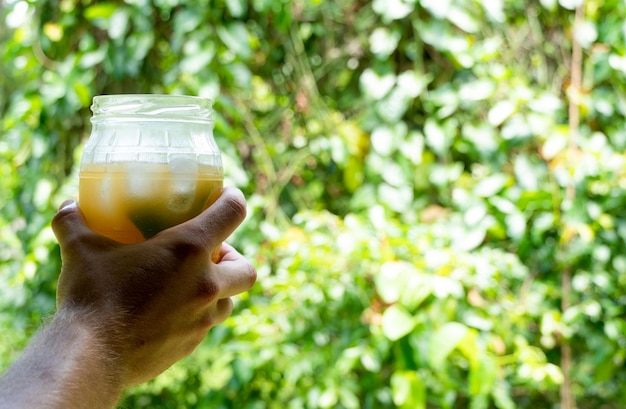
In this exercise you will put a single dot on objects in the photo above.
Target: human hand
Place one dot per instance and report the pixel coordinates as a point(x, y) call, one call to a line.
point(153, 302)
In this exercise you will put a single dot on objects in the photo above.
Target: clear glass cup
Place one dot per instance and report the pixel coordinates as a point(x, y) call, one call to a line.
point(150, 163)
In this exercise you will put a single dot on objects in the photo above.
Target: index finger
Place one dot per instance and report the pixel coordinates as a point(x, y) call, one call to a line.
point(227, 253)
point(234, 274)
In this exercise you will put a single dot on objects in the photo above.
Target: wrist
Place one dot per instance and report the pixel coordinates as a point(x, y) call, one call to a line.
point(93, 357)
point(68, 364)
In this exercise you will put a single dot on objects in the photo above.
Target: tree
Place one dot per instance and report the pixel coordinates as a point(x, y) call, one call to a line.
point(418, 184)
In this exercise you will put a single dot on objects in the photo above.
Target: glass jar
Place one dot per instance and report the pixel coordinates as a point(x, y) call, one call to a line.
point(151, 162)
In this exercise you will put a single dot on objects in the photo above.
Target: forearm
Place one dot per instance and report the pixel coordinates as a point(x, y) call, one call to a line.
point(65, 366)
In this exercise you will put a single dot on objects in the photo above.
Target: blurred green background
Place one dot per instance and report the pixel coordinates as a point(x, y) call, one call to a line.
point(436, 191)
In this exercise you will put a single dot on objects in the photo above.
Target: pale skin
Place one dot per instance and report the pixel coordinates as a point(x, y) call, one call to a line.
point(126, 313)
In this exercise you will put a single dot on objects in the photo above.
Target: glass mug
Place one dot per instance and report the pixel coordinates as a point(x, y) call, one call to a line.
point(150, 163)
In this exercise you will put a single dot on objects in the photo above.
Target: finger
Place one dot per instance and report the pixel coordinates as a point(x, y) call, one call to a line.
point(224, 310)
point(68, 224)
point(71, 230)
point(234, 276)
point(217, 222)
point(213, 314)
point(227, 253)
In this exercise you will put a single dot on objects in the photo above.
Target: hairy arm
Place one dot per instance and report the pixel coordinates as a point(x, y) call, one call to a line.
point(68, 364)
point(126, 313)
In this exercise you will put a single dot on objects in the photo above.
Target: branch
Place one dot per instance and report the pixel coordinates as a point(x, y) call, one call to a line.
point(573, 94)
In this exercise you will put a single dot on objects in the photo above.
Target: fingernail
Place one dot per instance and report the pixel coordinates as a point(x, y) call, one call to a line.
point(68, 205)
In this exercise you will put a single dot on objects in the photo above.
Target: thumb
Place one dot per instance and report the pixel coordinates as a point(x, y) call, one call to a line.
point(69, 225)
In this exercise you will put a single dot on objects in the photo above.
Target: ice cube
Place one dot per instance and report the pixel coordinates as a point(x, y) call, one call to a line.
point(184, 174)
point(180, 202)
point(105, 191)
point(183, 166)
point(139, 179)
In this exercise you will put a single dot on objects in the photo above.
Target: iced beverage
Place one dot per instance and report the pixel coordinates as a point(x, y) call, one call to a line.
point(150, 163)
point(131, 202)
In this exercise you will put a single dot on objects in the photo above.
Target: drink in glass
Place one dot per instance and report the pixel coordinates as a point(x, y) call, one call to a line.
point(150, 163)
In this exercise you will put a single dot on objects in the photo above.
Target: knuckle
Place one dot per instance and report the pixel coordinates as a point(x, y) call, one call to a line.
point(207, 321)
point(236, 202)
point(215, 315)
point(208, 289)
point(185, 246)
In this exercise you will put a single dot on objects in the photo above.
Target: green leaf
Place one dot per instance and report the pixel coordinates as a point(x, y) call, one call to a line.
point(437, 137)
point(400, 282)
point(236, 38)
point(546, 103)
point(411, 83)
point(53, 31)
point(186, 20)
point(398, 199)
point(555, 143)
point(491, 185)
point(83, 93)
point(502, 398)
point(443, 342)
point(482, 136)
point(384, 139)
point(197, 60)
point(477, 90)
point(374, 85)
point(328, 398)
point(570, 4)
point(397, 322)
point(500, 112)
point(119, 24)
point(479, 402)
point(383, 42)
point(262, 6)
point(470, 239)
point(470, 349)
point(348, 399)
point(413, 147)
point(408, 390)
point(393, 9)
point(100, 11)
point(482, 376)
point(139, 44)
point(443, 175)
point(92, 58)
point(462, 19)
point(526, 173)
point(549, 4)
point(395, 175)
point(439, 9)
point(354, 174)
point(237, 8)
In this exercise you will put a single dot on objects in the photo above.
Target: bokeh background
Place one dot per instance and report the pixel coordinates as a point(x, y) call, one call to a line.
point(436, 191)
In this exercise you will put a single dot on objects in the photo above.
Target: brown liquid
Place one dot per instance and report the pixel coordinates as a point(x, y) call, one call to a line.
point(131, 204)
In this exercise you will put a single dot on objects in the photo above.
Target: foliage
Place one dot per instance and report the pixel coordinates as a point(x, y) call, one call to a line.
point(417, 196)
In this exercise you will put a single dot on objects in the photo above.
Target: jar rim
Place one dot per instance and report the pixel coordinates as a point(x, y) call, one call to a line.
point(152, 105)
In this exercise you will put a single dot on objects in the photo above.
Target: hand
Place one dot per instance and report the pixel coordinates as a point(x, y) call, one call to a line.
point(152, 303)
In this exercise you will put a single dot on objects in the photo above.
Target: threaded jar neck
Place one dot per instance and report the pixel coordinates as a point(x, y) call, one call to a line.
point(152, 107)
